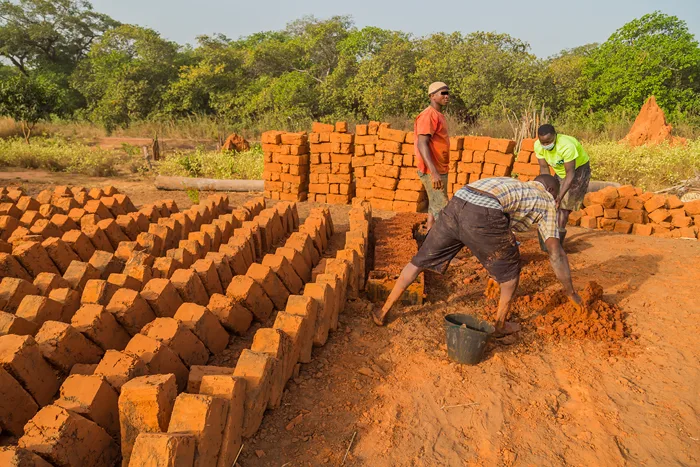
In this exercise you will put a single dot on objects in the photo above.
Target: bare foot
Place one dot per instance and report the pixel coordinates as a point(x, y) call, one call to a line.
point(507, 329)
point(377, 318)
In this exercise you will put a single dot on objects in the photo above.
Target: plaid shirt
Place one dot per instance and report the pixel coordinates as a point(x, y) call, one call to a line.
point(526, 203)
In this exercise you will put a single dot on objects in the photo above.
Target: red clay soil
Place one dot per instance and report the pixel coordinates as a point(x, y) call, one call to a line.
point(395, 245)
point(650, 127)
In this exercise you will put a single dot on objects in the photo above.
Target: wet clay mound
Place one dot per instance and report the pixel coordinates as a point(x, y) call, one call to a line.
point(395, 245)
point(650, 127)
point(597, 319)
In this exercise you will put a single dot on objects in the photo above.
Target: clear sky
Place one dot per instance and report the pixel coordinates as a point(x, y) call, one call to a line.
point(549, 26)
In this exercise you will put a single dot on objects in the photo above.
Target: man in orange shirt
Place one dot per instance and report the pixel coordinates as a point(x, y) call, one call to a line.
point(432, 148)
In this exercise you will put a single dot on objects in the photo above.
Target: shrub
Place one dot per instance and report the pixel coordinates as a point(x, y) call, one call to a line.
point(246, 165)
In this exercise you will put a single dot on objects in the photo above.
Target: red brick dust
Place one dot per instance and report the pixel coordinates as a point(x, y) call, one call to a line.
point(395, 245)
point(650, 127)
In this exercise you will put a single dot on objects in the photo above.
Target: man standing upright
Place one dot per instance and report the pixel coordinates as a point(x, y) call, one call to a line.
point(432, 148)
point(571, 164)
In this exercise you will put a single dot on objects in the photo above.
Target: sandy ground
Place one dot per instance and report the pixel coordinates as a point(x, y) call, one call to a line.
point(393, 397)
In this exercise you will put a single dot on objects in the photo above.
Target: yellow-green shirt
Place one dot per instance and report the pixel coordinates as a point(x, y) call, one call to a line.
point(566, 149)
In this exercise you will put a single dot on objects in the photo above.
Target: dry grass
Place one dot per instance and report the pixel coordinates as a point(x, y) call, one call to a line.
point(246, 165)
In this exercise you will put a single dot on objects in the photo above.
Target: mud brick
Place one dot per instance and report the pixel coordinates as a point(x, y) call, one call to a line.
point(621, 203)
point(145, 406)
point(11, 210)
point(303, 243)
point(12, 292)
point(93, 398)
point(98, 291)
point(314, 232)
point(64, 346)
point(182, 256)
point(163, 450)
point(322, 294)
point(610, 213)
point(692, 208)
point(505, 146)
point(98, 238)
point(98, 208)
point(193, 246)
point(204, 212)
point(415, 196)
point(17, 407)
point(27, 221)
point(10, 267)
point(307, 308)
point(59, 435)
point(46, 229)
point(159, 358)
point(588, 222)
point(204, 324)
point(285, 271)
point(162, 297)
point(113, 206)
point(356, 272)
point(477, 143)
point(606, 224)
point(49, 210)
point(45, 282)
point(280, 346)
point(27, 203)
point(164, 267)
point(21, 357)
point(179, 338)
point(89, 220)
point(96, 193)
point(190, 287)
point(151, 243)
point(256, 369)
point(243, 241)
point(317, 223)
point(34, 258)
point(128, 226)
point(677, 212)
point(575, 218)
point(151, 212)
point(342, 269)
point(78, 273)
point(595, 210)
point(124, 281)
point(660, 215)
point(204, 417)
point(634, 216)
point(106, 263)
point(100, 326)
point(231, 313)
point(44, 197)
point(79, 243)
point(64, 223)
point(236, 256)
point(38, 309)
point(130, 310)
point(270, 283)
point(681, 221)
point(120, 368)
point(299, 329)
point(141, 273)
point(622, 227)
point(12, 324)
point(8, 225)
point(249, 293)
point(199, 372)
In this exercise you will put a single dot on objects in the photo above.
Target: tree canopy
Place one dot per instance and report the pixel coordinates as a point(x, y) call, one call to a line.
point(114, 74)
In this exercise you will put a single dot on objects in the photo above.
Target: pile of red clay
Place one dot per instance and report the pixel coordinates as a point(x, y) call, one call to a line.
point(395, 245)
point(236, 143)
point(596, 319)
point(650, 127)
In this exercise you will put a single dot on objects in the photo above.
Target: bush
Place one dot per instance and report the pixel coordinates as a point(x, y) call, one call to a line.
point(246, 165)
point(648, 167)
point(59, 156)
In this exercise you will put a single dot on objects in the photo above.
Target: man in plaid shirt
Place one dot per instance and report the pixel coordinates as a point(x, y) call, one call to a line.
point(482, 216)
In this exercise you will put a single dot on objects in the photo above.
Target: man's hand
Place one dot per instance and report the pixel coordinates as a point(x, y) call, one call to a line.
point(437, 181)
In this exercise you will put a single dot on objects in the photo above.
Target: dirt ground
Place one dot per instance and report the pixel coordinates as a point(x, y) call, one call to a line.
point(390, 396)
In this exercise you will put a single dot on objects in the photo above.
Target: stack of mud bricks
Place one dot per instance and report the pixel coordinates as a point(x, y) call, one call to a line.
point(124, 364)
point(331, 174)
point(366, 140)
point(627, 209)
point(526, 165)
point(395, 184)
point(473, 158)
point(286, 171)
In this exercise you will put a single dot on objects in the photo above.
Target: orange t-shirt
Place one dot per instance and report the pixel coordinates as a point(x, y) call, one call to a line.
point(433, 123)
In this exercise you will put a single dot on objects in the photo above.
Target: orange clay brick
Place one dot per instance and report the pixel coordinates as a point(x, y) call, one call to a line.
point(179, 338)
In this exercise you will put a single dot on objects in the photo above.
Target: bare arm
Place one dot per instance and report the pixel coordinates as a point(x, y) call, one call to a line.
point(424, 149)
point(544, 167)
point(560, 265)
point(566, 184)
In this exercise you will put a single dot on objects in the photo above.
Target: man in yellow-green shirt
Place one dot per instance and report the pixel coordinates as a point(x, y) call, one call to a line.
point(570, 162)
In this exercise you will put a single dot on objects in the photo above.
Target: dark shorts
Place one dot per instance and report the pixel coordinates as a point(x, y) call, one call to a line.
point(573, 199)
point(485, 231)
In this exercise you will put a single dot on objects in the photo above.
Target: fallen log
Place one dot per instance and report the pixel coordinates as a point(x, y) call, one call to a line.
point(207, 184)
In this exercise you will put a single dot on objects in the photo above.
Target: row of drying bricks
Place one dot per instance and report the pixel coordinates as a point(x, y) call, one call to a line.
point(155, 353)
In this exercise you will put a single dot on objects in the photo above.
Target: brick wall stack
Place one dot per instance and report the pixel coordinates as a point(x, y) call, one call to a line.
point(475, 157)
point(526, 165)
point(395, 184)
point(331, 171)
point(456, 180)
point(627, 209)
point(366, 139)
point(286, 171)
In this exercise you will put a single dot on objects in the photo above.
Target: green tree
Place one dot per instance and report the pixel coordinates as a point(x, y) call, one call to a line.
point(567, 87)
point(655, 54)
point(126, 75)
point(28, 101)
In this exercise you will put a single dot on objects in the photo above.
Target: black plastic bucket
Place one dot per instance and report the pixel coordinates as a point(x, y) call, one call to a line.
point(466, 338)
